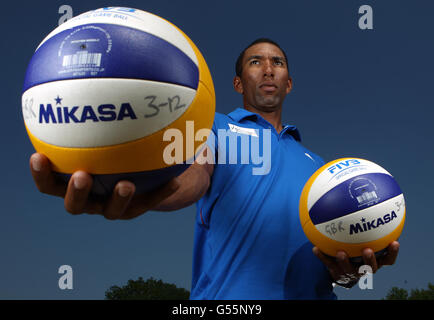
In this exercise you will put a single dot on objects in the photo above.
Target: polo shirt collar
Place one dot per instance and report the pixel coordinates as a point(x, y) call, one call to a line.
point(240, 114)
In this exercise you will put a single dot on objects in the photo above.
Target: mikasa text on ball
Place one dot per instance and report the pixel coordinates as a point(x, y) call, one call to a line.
point(101, 90)
point(351, 204)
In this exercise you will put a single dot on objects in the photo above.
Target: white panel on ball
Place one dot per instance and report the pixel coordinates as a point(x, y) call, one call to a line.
point(142, 95)
point(140, 20)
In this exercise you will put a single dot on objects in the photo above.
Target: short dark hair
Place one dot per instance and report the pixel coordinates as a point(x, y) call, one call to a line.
point(239, 63)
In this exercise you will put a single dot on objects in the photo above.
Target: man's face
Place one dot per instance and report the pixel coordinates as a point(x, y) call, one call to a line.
point(264, 81)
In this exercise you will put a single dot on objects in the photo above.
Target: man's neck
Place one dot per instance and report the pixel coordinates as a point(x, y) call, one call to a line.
point(273, 117)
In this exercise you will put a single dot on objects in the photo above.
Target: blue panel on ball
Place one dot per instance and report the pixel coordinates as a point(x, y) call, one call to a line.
point(103, 184)
point(354, 194)
point(110, 51)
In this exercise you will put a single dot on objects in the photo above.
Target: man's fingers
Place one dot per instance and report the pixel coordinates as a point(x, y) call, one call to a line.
point(43, 176)
point(370, 259)
point(119, 200)
point(77, 193)
point(122, 204)
point(345, 264)
point(392, 254)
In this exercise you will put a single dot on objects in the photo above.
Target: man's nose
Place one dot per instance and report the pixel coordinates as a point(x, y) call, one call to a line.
point(268, 69)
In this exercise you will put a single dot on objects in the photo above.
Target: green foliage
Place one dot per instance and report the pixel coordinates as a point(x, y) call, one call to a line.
point(397, 294)
point(415, 294)
point(423, 294)
point(150, 289)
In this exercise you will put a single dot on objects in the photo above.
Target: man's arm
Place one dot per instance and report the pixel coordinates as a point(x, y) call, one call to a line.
point(179, 192)
point(195, 182)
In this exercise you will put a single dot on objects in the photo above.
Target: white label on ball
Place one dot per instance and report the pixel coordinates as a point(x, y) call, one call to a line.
point(84, 56)
point(366, 225)
point(101, 112)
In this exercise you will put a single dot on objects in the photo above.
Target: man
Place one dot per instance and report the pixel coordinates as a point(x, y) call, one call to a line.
point(248, 240)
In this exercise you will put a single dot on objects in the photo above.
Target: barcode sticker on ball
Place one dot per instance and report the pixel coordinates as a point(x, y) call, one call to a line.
point(82, 58)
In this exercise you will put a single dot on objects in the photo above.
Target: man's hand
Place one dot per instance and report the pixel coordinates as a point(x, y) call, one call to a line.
point(123, 203)
point(341, 268)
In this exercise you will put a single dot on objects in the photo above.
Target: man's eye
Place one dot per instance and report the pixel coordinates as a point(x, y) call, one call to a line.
point(279, 63)
point(254, 62)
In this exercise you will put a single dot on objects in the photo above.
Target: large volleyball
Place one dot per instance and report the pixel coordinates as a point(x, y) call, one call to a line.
point(102, 89)
point(350, 204)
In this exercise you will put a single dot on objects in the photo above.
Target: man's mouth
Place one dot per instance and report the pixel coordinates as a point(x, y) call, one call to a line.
point(268, 87)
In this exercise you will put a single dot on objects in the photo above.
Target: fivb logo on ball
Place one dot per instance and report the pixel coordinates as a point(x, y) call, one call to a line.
point(343, 165)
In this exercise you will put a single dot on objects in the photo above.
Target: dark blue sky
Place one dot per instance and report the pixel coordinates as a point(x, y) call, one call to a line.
point(360, 93)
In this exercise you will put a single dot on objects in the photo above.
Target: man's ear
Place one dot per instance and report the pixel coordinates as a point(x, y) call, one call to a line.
point(289, 87)
point(238, 86)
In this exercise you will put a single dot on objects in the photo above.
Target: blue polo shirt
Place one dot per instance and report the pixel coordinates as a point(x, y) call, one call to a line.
point(248, 242)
